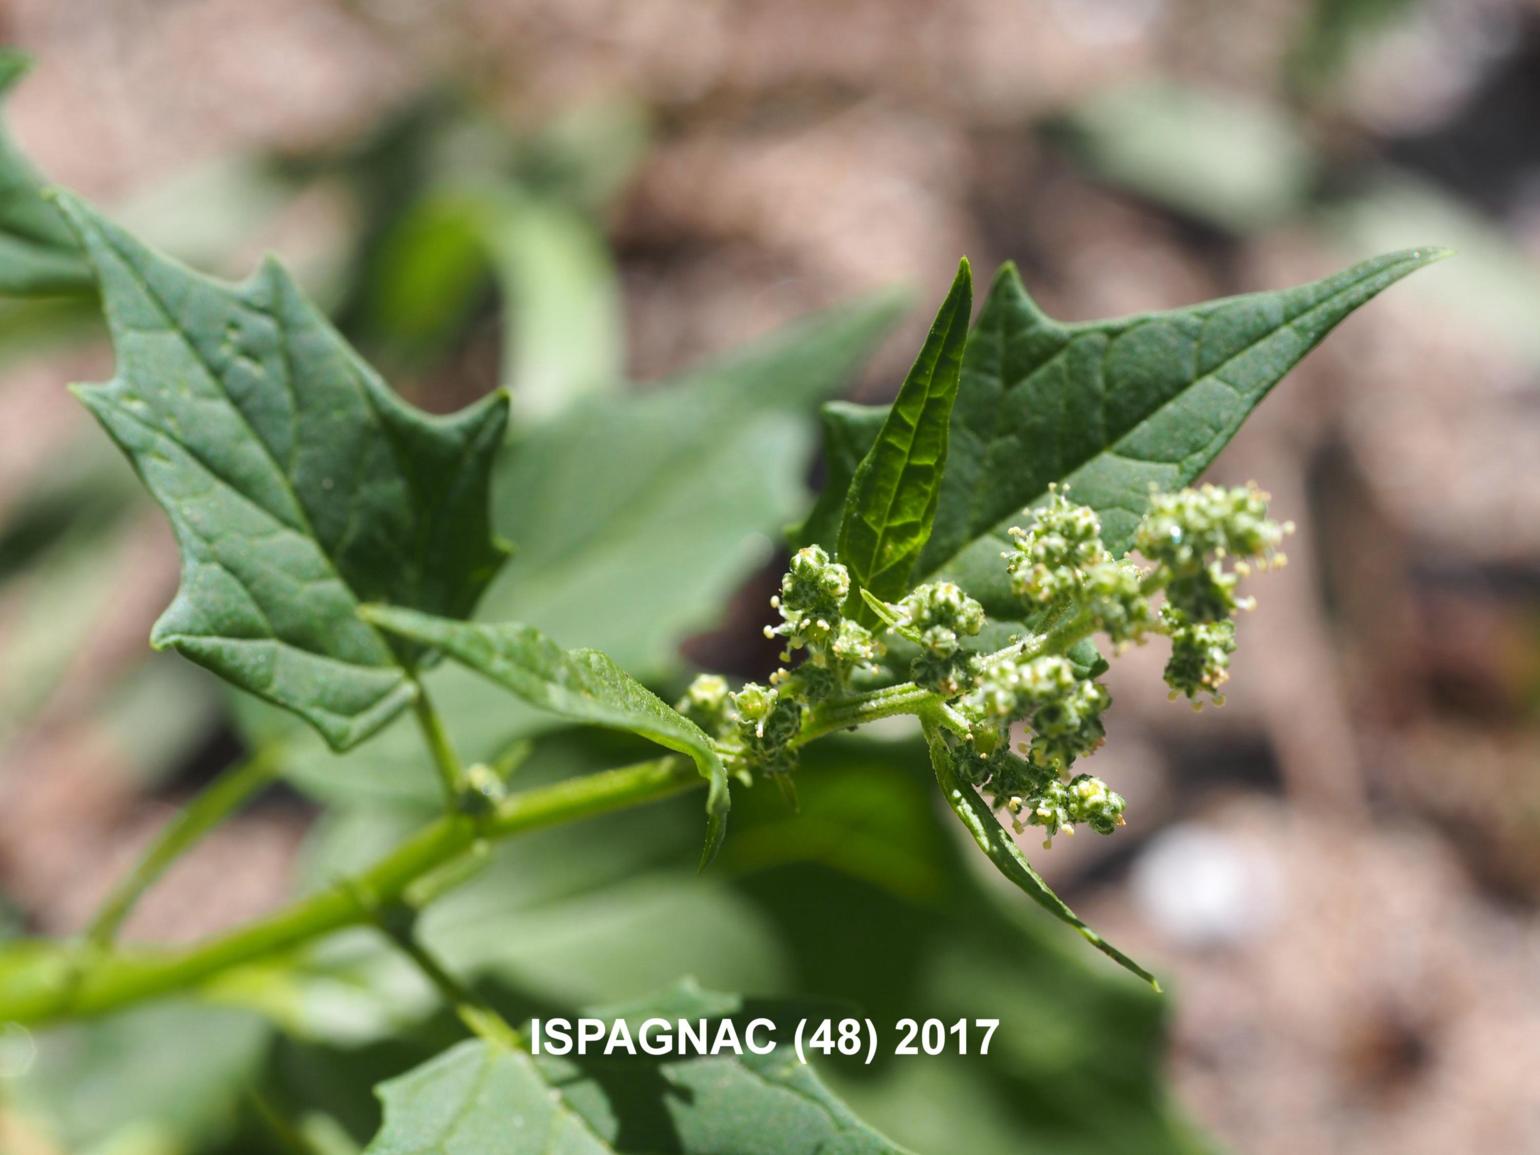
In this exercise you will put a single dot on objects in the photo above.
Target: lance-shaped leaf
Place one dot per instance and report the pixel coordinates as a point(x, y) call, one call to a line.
point(491, 1100)
point(1001, 849)
point(299, 486)
point(583, 685)
point(1111, 407)
point(895, 490)
point(38, 254)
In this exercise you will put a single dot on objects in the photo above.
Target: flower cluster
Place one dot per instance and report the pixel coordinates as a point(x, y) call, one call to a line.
point(1059, 561)
point(1020, 717)
point(811, 604)
point(755, 726)
point(938, 617)
point(1190, 536)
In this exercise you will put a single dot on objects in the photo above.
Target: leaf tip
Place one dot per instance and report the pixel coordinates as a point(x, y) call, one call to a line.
point(716, 834)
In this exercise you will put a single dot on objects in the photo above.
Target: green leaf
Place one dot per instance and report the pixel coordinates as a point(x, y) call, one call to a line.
point(478, 1097)
point(1001, 849)
point(558, 282)
point(561, 296)
point(896, 488)
point(298, 484)
point(93, 1086)
point(1241, 165)
point(582, 685)
point(700, 475)
point(1113, 407)
point(38, 254)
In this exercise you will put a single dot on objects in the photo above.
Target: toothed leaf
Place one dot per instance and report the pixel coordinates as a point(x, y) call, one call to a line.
point(299, 486)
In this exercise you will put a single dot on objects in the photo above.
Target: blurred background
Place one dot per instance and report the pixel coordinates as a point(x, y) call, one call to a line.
point(1338, 872)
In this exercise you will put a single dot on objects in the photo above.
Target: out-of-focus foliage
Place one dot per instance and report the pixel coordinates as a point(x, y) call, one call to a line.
point(38, 256)
point(1220, 157)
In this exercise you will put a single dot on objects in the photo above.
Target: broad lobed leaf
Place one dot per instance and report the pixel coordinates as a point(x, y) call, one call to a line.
point(478, 1097)
point(1113, 409)
point(1108, 407)
point(299, 486)
point(580, 685)
point(896, 487)
point(698, 476)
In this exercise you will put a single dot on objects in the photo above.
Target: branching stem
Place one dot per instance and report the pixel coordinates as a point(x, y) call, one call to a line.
point(446, 761)
point(55, 987)
point(227, 794)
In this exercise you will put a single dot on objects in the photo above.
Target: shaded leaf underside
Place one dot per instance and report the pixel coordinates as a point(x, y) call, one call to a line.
point(580, 685)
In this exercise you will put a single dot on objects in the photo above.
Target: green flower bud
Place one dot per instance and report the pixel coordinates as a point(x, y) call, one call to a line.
point(1185, 530)
point(811, 600)
point(1090, 801)
point(1115, 596)
point(1051, 555)
point(1058, 807)
point(708, 703)
point(768, 721)
point(1200, 655)
point(1008, 685)
point(754, 702)
point(854, 645)
point(1205, 595)
point(1070, 726)
point(942, 615)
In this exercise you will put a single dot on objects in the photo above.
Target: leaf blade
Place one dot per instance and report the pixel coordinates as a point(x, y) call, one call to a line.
point(1034, 406)
point(700, 475)
point(897, 486)
point(582, 685)
point(298, 485)
point(1001, 849)
point(504, 1102)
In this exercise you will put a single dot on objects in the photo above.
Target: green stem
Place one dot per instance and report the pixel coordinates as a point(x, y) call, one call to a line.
point(227, 794)
point(859, 709)
point(451, 771)
point(115, 981)
point(909, 698)
point(481, 1019)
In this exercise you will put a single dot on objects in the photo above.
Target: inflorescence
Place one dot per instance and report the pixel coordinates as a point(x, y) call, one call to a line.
point(1022, 715)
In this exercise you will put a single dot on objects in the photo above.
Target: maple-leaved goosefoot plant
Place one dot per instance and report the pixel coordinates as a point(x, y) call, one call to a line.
point(1024, 503)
